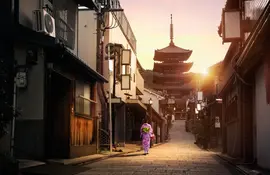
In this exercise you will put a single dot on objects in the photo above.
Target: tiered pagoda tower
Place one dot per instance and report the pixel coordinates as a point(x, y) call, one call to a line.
point(169, 72)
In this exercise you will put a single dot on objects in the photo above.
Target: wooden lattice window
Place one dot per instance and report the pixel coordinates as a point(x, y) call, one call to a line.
point(82, 100)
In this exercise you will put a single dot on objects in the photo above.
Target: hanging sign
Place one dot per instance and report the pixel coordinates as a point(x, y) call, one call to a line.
point(126, 57)
point(125, 82)
point(217, 122)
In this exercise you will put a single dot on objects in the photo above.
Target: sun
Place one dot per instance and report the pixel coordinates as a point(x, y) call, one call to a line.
point(205, 72)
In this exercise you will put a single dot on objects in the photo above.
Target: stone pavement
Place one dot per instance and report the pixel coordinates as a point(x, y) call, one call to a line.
point(179, 156)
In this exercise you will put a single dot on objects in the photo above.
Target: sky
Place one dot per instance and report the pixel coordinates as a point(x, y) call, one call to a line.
point(195, 28)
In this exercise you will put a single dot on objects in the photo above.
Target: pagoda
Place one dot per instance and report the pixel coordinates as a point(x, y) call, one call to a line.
point(169, 73)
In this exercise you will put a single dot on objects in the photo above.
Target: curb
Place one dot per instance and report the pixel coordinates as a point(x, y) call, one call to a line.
point(241, 170)
point(159, 144)
point(92, 160)
point(111, 156)
point(100, 158)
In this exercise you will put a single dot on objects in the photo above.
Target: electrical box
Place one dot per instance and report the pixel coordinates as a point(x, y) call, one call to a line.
point(21, 79)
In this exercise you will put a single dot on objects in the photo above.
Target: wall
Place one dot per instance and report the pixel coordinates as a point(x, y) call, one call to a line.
point(116, 36)
point(155, 98)
point(139, 81)
point(87, 42)
point(29, 126)
point(262, 113)
point(26, 8)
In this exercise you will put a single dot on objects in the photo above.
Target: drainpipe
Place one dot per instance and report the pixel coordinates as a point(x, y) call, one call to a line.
point(16, 21)
point(14, 118)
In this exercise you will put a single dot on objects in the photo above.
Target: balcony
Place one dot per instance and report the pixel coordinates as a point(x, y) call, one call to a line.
point(139, 83)
point(254, 9)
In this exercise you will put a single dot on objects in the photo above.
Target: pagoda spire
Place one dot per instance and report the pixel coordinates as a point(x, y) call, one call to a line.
point(171, 32)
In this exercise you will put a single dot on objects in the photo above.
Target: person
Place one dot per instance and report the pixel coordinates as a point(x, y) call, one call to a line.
point(146, 135)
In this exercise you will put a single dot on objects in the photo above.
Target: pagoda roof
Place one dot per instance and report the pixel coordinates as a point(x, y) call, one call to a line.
point(172, 51)
point(172, 48)
point(183, 75)
point(180, 67)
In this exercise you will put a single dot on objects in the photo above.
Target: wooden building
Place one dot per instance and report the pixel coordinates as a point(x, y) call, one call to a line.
point(245, 91)
point(57, 89)
point(213, 108)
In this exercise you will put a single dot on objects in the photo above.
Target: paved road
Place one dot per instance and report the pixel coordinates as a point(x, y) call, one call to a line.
point(179, 156)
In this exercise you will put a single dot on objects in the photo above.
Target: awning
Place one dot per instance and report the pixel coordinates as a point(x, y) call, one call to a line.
point(75, 60)
point(156, 116)
point(136, 103)
point(87, 3)
point(27, 35)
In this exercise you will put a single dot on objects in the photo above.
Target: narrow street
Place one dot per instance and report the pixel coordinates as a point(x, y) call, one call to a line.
point(179, 156)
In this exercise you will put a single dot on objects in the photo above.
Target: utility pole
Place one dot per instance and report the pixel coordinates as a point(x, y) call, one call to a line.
point(110, 99)
point(101, 28)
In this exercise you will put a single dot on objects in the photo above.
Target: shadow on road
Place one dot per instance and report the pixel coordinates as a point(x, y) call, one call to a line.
point(230, 167)
point(131, 155)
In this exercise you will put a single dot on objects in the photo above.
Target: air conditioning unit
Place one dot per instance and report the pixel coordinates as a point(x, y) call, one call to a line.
point(43, 22)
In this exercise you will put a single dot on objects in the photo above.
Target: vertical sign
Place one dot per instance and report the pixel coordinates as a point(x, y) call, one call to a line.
point(217, 122)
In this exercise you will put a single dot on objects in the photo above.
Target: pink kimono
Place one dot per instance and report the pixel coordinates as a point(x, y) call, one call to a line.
point(146, 133)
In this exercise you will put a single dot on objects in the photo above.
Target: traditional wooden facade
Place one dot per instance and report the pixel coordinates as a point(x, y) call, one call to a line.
point(245, 90)
point(58, 118)
point(168, 72)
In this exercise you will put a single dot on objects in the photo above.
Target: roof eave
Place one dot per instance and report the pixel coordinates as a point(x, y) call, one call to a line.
point(94, 74)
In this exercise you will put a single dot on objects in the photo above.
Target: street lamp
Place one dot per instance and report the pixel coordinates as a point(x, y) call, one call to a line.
point(150, 101)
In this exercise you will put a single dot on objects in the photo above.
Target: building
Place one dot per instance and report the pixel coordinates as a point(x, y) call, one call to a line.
point(56, 89)
point(245, 89)
point(168, 73)
point(152, 100)
point(128, 84)
point(212, 109)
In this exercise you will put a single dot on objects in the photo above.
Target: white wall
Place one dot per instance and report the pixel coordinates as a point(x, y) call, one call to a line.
point(262, 111)
point(116, 36)
point(155, 98)
point(139, 81)
point(87, 42)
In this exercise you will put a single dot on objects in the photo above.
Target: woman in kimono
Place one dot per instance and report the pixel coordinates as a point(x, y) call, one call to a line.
point(146, 135)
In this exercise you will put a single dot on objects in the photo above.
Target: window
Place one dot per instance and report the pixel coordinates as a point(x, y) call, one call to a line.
point(82, 98)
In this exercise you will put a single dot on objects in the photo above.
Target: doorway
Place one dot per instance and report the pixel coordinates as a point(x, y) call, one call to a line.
point(58, 116)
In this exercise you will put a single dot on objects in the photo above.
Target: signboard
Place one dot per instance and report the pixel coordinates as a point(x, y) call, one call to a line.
point(231, 25)
point(126, 57)
point(171, 101)
point(217, 122)
point(126, 82)
point(116, 100)
point(200, 96)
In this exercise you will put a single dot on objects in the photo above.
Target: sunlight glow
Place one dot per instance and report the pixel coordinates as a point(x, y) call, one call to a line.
point(205, 72)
